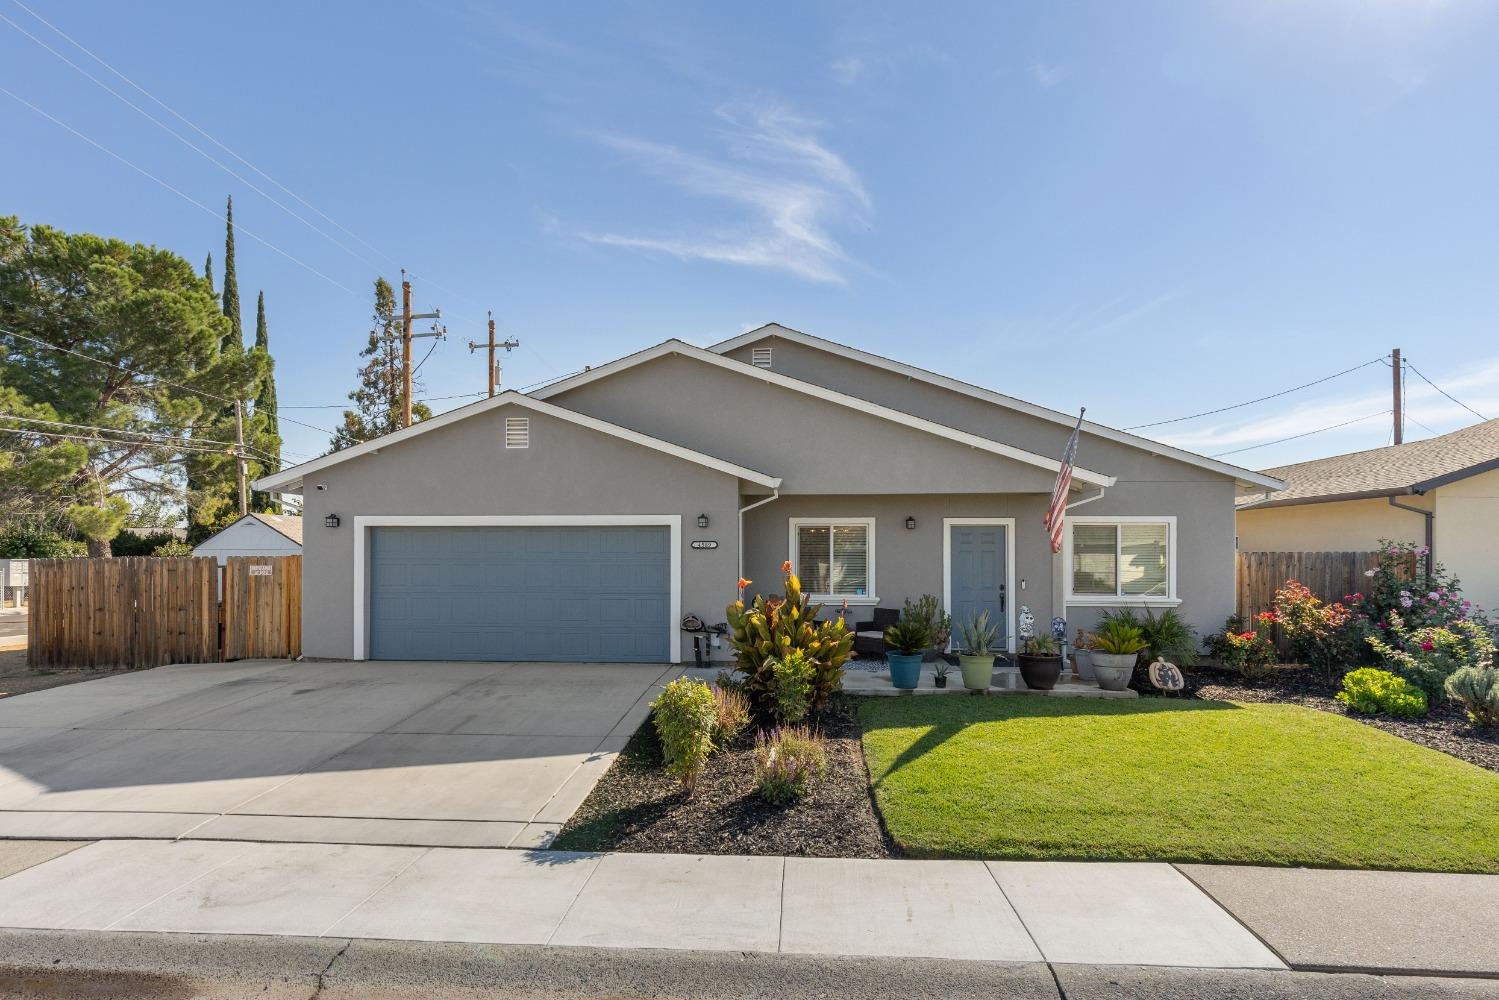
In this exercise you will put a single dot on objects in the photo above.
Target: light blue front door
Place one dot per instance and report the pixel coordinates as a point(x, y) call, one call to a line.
point(978, 575)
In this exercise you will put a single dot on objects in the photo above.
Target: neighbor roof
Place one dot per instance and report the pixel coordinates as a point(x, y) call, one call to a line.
point(288, 524)
point(664, 348)
point(290, 480)
point(1245, 477)
point(1400, 469)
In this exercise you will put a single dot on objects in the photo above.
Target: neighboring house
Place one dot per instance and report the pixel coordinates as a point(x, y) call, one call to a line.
point(581, 521)
point(255, 535)
point(1442, 492)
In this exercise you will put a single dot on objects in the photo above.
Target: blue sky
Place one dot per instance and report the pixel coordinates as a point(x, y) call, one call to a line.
point(1150, 209)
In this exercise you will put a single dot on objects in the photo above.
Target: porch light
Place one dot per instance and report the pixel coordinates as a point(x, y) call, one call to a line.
point(702, 520)
point(330, 520)
point(910, 524)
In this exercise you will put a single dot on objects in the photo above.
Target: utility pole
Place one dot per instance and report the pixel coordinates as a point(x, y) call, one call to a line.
point(1395, 370)
point(406, 338)
point(508, 344)
point(239, 455)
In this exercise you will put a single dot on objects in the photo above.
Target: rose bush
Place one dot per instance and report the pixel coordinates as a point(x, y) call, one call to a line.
point(1428, 655)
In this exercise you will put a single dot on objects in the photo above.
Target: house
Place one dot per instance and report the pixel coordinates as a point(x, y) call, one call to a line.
point(1442, 492)
point(581, 521)
point(255, 535)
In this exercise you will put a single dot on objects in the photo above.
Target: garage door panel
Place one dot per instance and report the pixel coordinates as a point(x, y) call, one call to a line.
point(520, 593)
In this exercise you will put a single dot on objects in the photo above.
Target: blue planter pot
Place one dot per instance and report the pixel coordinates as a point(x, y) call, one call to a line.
point(905, 669)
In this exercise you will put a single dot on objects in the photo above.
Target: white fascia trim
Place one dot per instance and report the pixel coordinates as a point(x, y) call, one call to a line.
point(854, 600)
point(1246, 476)
point(1119, 600)
point(364, 522)
point(820, 392)
point(289, 480)
point(1008, 523)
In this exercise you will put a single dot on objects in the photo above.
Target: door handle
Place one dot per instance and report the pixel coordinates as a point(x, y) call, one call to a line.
point(1001, 598)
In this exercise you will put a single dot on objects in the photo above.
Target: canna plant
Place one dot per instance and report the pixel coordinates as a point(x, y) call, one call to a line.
point(765, 632)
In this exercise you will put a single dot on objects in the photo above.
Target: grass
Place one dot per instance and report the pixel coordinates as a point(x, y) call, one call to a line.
point(1171, 780)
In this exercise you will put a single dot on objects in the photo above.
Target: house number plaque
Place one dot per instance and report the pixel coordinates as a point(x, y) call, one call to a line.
point(705, 545)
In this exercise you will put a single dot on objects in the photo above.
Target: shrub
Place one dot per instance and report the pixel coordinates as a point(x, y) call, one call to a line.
point(1319, 633)
point(29, 540)
point(929, 609)
point(772, 628)
point(976, 637)
point(1372, 691)
point(1250, 652)
point(1119, 638)
point(792, 678)
point(1400, 585)
point(1428, 656)
point(686, 715)
point(1478, 690)
point(787, 761)
point(1166, 634)
point(908, 636)
point(731, 714)
point(173, 547)
point(1217, 645)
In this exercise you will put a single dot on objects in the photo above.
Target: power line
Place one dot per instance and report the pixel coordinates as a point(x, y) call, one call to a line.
point(1444, 392)
point(162, 438)
point(1293, 437)
point(1273, 395)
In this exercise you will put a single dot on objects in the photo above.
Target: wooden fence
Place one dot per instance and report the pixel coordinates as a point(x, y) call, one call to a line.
point(1329, 575)
point(149, 611)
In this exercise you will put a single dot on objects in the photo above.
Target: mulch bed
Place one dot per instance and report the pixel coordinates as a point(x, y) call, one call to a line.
point(1445, 728)
point(638, 807)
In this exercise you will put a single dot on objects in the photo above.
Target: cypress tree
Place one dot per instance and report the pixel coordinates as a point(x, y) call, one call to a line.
point(208, 272)
point(234, 342)
point(267, 438)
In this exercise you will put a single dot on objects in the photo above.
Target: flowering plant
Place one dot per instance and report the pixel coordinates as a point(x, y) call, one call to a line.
point(1318, 632)
point(1400, 585)
point(1250, 652)
point(1428, 655)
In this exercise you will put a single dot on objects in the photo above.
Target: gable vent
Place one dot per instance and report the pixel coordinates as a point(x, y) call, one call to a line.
point(760, 357)
point(517, 432)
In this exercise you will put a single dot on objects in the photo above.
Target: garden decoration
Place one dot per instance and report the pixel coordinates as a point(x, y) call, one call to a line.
point(1027, 622)
point(1166, 676)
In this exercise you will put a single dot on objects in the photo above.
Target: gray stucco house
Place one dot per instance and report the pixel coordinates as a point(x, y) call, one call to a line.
point(583, 520)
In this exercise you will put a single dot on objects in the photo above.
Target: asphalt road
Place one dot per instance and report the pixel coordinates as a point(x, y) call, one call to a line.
point(59, 965)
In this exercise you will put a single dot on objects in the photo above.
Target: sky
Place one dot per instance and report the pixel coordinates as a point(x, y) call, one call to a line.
point(1148, 209)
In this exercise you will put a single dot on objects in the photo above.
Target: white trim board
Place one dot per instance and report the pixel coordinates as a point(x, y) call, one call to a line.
point(290, 480)
point(363, 522)
point(1246, 476)
point(869, 599)
point(1008, 523)
point(1071, 600)
point(820, 392)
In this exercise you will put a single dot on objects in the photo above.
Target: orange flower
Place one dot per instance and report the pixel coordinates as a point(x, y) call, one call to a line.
point(744, 583)
point(786, 566)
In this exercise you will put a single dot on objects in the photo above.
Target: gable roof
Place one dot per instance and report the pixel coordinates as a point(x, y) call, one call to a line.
point(823, 393)
point(1397, 470)
point(1243, 476)
point(287, 524)
point(290, 480)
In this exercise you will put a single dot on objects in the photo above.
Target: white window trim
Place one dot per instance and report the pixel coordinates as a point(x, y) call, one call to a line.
point(1171, 599)
point(364, 522)
point(1008, 523)
point(854, 600)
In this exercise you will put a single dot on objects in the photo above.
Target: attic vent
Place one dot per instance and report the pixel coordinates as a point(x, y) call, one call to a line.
point(517, 432)
point(760, 357)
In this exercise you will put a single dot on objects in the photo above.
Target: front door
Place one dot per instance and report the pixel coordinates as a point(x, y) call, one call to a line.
point(977, 576)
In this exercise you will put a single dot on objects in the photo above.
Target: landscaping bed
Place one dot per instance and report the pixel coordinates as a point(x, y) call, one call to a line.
point(1445, 727)
point(638, 807)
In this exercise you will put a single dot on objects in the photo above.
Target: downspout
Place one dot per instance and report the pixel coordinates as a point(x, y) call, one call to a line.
point(1431, 516)
point(775, 495)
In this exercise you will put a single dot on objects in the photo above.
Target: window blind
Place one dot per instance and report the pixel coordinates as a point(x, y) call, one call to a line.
point(1143, 560)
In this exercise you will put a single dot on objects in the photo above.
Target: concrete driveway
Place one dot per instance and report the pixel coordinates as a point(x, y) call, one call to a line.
point(427, 754)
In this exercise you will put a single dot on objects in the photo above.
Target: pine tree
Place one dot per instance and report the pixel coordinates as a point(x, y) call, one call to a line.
point(208, 273)
point(234, 341)
point(377, 401)
point(266, 427)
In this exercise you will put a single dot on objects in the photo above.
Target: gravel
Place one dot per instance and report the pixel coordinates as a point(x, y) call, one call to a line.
point(638, 807)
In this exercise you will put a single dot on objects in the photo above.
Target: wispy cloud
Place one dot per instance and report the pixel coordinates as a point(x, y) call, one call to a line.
point(1047, 75)
point(775, 166)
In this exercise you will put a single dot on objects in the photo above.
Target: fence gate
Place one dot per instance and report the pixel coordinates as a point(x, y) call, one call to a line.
point(262, 607)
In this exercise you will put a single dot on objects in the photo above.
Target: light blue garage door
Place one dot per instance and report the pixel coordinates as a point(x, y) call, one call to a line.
point(554, 593)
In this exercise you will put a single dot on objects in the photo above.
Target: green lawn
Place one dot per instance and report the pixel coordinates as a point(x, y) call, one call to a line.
point(1171, 780)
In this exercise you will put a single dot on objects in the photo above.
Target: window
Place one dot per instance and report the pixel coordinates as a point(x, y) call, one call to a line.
point(760, 357)
point(517, 432)
point(1122, 559)
point(834, 557)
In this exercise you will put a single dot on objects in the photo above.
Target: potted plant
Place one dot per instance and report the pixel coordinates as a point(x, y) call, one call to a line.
point(939, 674)
point(928, 608)
point(1040, 663)
point(976, 651)
point(1082, 654)
point(905, 641)
point(1116, 649)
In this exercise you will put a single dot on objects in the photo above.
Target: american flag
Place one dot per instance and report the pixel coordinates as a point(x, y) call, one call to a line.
point(1056, 512)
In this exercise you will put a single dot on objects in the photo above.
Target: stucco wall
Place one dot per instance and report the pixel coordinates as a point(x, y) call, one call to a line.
point(464, 468)
point(1467, 535)
point(1342, 526)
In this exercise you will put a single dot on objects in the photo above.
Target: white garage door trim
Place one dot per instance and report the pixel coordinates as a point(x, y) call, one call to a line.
point(364, 522)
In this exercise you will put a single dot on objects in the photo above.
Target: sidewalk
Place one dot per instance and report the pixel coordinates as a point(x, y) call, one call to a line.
point(1055, 912)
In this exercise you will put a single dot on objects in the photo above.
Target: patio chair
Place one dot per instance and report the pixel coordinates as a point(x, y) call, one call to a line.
point(869, 637)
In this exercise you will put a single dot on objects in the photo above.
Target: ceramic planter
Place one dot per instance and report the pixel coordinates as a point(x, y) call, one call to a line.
point(1113, 670)
point(1084, 660)
point(1040, 672)
point(978, 671)
point(905, 669)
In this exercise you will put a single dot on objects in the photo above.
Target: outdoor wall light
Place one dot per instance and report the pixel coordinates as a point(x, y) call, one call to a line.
point(330, 520)
point(702, 520)
point(910, 524)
